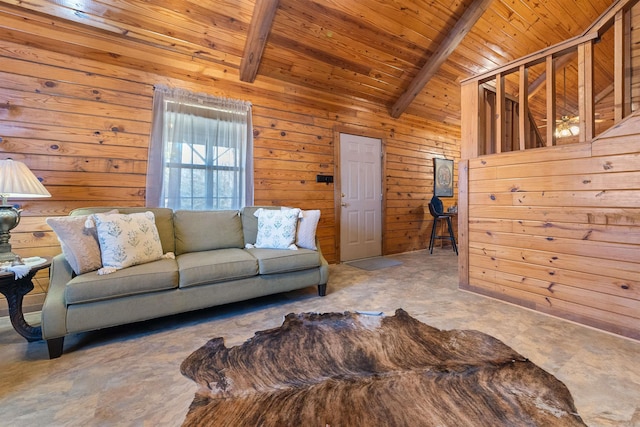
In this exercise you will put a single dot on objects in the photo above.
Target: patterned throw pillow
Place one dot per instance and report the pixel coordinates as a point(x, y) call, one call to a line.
point(79, 241)
point(276, 228)
point(127, 239)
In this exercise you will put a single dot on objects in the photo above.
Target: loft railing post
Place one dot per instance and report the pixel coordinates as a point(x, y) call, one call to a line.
point(585, 91)
point(500, 114)
point(463, 223)
point(622, 65)
point(470, 111)
point(551, 100)
point(523, 118)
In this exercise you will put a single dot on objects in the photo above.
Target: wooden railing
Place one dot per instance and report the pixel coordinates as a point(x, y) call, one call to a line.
point(511, 113)
point(474, 138)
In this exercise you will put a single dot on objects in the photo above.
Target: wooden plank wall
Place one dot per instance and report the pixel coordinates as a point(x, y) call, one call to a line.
point(635, 57)
point(558, 229)
point(82, 125)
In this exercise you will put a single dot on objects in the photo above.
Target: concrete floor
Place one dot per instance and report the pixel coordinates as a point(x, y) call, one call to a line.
point(130, 375)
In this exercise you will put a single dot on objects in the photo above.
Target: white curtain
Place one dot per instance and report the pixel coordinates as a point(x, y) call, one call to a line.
point(200, 153)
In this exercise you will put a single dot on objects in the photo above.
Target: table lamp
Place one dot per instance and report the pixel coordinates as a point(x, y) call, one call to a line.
point(16, 180)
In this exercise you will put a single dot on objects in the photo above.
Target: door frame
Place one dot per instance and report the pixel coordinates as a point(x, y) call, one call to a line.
point(337, 184)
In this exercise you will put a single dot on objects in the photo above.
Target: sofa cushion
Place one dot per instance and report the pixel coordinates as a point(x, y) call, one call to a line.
point(271, 261)
point(163, 218)
point(206, 230)
point(154, 276)
point(127, 239)
point(198, 268)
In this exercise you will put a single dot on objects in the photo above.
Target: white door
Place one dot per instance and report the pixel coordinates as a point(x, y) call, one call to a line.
point(361, 198)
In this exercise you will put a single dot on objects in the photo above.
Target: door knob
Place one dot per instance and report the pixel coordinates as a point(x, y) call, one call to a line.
point(343, 204)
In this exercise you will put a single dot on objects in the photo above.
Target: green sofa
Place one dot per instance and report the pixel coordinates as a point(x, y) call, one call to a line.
point(211, 267)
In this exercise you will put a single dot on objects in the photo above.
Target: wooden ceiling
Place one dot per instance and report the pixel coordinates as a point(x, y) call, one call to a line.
point(361, 52)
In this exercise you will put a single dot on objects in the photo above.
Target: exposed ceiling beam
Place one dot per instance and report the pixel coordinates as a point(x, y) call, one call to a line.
point(446, 48)
point(263, 13)
point(607, 19)
point(603, 94)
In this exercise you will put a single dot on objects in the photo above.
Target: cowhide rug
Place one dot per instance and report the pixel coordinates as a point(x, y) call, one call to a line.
point(347, 369)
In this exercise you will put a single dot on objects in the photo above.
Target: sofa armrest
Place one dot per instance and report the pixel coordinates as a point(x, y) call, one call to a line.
point(324, 265)
point(54, 309)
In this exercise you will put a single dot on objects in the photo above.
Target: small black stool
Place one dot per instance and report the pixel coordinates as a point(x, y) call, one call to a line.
point(436, 210)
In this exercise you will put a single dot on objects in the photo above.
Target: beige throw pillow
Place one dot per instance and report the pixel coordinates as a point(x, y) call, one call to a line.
point(306, 233)
point(78, 240)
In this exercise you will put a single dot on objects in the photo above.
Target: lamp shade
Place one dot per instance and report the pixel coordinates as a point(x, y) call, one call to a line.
point(16, 180)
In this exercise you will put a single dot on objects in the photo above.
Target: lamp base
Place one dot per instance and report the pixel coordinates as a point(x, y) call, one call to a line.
point(7, 257)
point(9, 219)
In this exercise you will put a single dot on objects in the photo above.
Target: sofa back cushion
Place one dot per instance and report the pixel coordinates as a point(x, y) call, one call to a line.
point(163, 219)
point(250, 222)
point(207, 230)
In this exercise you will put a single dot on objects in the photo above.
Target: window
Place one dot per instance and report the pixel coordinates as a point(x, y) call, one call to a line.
point(200, 154)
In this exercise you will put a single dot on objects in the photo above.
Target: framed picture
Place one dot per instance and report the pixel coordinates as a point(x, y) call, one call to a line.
point(442, 177)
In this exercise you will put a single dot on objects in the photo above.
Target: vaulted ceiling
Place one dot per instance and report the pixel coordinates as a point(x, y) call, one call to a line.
point(365, 52)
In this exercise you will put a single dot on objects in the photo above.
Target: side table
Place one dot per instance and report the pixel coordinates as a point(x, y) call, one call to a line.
point(14, 290)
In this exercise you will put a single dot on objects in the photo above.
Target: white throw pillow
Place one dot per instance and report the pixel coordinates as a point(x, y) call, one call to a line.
point(127, 239)
point(306, 235)
point(277, 228)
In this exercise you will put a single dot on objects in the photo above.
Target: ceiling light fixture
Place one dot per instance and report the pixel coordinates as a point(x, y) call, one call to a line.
point(566, 126)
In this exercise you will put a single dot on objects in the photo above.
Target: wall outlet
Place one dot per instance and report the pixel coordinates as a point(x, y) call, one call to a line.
point(324, 178)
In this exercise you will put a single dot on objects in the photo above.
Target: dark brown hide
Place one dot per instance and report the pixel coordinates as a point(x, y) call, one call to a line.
point(347, 369)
